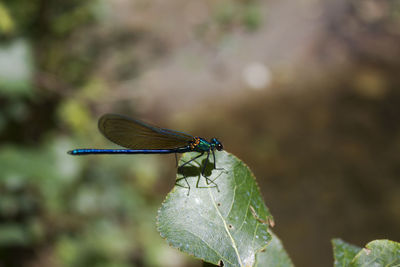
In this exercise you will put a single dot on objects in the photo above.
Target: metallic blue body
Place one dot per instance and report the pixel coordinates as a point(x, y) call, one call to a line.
point(86, 151)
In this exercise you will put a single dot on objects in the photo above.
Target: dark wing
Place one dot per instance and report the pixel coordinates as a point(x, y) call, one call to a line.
point(136, 134)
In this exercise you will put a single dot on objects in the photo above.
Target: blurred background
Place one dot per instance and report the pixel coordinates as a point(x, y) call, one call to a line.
point(305, 92)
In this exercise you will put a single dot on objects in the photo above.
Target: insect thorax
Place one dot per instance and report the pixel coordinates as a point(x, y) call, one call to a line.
point(199, 144)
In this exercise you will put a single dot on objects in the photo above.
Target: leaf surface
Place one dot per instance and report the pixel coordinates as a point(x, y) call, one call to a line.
point(378, 253)
point(343, 252)
point(223, 221)
point(274, 255)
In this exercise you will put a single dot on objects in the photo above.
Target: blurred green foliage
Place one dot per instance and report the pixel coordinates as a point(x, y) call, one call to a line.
point(6, 22)
point(89, 212)
point(239, 13)
point(16, 78)
point(57, 210)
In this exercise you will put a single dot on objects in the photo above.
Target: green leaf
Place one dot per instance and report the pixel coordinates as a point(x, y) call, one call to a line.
point(274, 255)
point(343, 252)
point(378, 253)
point(225, 221)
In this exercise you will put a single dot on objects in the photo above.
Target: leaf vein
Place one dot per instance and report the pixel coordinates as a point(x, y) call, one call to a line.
point(208, 245)
point(226, 229)
point(233, 200)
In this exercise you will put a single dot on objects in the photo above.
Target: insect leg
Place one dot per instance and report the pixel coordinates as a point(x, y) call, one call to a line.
point(215, 165)
point(208, 180)
point(205, 163)
point(177, 182)
point(187, 162)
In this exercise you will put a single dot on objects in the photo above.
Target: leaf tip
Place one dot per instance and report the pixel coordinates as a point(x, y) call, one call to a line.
point(367, 251)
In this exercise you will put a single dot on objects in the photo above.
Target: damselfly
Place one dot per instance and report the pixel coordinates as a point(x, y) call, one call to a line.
point(142, 138)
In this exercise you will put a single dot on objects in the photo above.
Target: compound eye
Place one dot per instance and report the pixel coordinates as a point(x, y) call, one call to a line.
point(219, 147)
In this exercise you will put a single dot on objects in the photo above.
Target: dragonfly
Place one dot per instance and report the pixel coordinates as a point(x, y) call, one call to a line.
point(139, 137)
